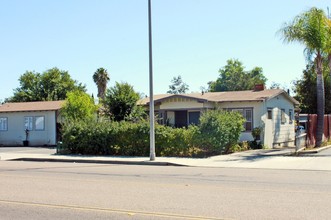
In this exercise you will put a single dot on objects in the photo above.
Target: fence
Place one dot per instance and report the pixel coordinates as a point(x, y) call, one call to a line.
point(311, 128)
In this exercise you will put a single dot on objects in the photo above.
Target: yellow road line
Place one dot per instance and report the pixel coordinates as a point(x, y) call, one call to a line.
point(121, 211)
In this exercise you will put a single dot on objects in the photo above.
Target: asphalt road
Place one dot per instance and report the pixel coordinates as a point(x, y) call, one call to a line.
point(41, 190)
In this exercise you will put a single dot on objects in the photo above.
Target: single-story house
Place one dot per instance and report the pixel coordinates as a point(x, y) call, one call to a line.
point(40, 120)
point(270, 109)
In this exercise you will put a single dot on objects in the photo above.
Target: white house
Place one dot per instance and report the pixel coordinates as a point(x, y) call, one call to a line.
point(272, 110)
point(39, 118)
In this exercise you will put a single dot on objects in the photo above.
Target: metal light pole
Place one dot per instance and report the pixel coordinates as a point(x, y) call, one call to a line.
point(151, 99)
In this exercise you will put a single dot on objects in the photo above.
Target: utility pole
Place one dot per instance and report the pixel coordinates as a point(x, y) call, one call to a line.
point(151, 98)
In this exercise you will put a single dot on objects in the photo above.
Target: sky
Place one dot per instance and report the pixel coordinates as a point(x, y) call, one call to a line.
point(191, 38)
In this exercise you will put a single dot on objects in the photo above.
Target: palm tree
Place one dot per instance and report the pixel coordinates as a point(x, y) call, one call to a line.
point(328, 46)
point(101, 79)
point(309, 28)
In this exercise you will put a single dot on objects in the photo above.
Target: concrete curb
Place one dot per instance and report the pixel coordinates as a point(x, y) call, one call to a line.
point(146, 163)
point(314, 151)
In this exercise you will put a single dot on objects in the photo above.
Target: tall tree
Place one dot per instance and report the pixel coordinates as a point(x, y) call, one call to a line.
point(101, 79)
point(53, 84)
point(327, 48)
point(305, 90)
point(120, 101)
point(233, 77)
point(79, 106)
point(177, 86)
point(309, 28)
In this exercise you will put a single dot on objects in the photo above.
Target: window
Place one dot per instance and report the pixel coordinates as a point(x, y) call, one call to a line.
point(3, 124)
point(249, 122)
point(290, 114)
point(247, 113)
point(283, 119)
point(36, 123)
point(269, 113)
point(39, 123)
point(28, 123)
point(193, 118)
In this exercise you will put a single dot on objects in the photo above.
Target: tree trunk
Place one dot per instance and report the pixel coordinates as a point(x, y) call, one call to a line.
point(329, 62)
point(320, 101)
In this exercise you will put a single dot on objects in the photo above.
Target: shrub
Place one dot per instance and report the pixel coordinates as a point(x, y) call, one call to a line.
point(126, 139)
point(219, 130)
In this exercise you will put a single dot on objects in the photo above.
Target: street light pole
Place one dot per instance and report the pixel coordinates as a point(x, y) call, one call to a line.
point(151, 99)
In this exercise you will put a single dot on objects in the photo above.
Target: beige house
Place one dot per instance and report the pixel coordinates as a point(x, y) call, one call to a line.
point(39, 118)
point(272, 110)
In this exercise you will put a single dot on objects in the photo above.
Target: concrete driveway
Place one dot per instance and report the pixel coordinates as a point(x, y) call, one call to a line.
point(29, 150)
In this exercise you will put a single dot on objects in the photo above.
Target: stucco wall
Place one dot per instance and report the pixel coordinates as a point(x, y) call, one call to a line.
point(15, 134)
point(180, 103)
point(277, 133)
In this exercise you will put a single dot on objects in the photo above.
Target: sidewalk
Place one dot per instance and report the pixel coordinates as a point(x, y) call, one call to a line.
point(265, 159)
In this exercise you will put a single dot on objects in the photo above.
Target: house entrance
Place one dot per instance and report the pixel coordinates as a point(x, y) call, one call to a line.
point(180, 119)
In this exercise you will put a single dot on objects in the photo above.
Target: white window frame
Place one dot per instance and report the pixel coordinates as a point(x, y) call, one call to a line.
point(248, 121)
point(28, 123)
point(290, 115)
point(36, 127)
point(282, 116)
point(3, 124)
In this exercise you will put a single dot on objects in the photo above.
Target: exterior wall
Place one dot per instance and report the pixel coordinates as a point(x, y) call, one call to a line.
point(180, 103)
point(279, 134)
point(209, 105)
point(15, 134)
point(274, 132)
point(258, 112)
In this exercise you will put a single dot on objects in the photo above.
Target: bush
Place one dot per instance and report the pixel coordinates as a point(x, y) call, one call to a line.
point(126, 139)
point(219, 130)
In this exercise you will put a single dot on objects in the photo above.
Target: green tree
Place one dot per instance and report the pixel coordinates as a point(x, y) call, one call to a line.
point(101, 78)
point(327, 50)
point(51, 85)
point(309, 28)
point(120, 101)
point(79, 106)
point(233, 77)
point(178, 86)
point(305, 90)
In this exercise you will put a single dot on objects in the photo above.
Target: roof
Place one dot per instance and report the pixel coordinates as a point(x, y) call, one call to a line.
point(229, 96)
point(31, 106)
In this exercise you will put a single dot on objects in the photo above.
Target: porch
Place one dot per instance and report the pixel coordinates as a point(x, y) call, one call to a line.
point(178, 118)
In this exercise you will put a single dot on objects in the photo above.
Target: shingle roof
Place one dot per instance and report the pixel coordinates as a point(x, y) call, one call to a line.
point(31, 106)
point(231, 96)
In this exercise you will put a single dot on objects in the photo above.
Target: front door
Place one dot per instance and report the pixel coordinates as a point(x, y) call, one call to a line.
point(180, 119)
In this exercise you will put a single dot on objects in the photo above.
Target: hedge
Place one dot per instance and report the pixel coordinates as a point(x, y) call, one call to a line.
point(216, 133)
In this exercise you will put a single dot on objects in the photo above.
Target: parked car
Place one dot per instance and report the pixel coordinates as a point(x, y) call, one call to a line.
point(300, 128)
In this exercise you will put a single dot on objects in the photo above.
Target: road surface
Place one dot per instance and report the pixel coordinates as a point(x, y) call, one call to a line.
point(43, 190)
